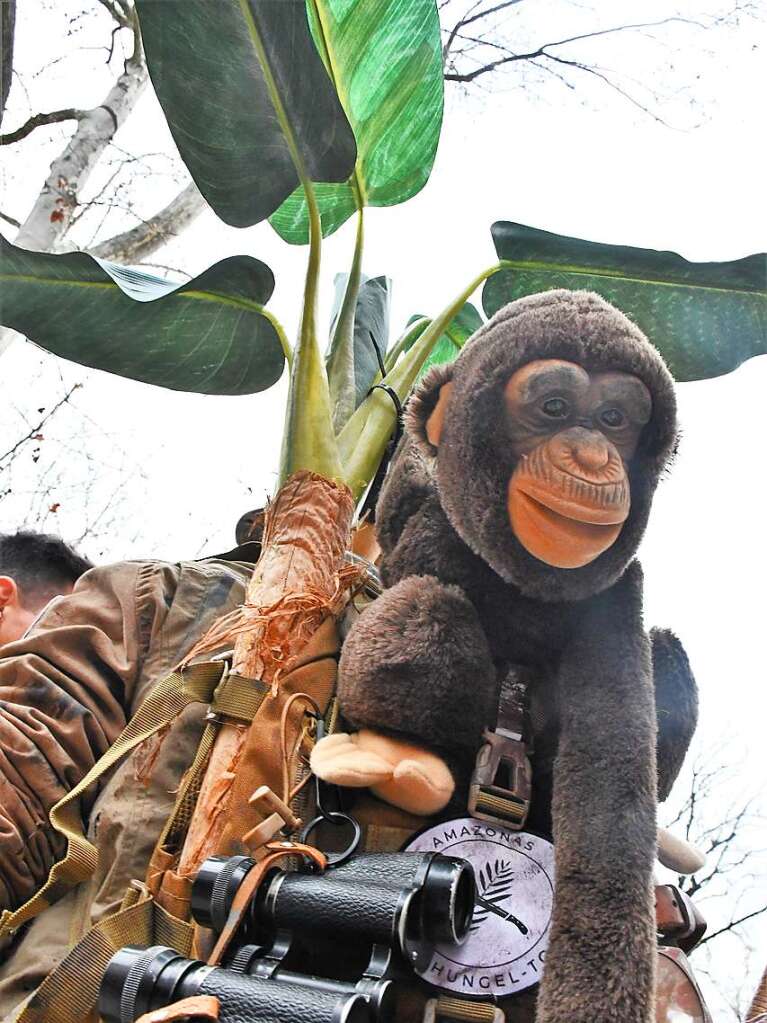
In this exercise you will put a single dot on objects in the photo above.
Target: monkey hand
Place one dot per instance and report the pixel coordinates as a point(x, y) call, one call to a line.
point(396, 771)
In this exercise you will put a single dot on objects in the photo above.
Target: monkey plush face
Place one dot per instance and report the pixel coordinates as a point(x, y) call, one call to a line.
point(547, 437)
point(574, 434)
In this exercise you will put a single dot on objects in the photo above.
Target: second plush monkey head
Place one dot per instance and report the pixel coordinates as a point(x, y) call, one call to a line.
point(549, 433)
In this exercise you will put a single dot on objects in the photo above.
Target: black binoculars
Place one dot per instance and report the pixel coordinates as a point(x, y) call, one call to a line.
point(408, 901)
point(371, 917)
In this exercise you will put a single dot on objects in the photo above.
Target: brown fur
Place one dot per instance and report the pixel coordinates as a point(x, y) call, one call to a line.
point(466, 601)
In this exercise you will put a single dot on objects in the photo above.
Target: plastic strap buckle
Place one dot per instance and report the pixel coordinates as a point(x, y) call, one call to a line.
point(502, 782)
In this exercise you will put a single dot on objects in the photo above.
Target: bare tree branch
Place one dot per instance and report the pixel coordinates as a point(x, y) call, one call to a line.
point(470, 17)
point(35, 430)
point(38, 121)
point(141, 241)
point(120, 12)
point(733, 874)
point(542, 51)
point(734, 923)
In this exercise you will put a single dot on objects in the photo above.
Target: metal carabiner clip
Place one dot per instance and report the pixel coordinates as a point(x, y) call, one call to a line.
point(325, 815)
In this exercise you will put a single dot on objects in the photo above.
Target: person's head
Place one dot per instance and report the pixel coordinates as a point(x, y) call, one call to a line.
point(34, 568)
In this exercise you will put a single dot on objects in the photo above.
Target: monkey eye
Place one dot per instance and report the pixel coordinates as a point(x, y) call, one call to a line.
point(557, 408)
point(612, 417)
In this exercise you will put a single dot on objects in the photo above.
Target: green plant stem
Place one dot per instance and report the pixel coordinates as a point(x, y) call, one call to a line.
point(405, 342)
point(363, 440)
point(341, 359)
point(283, 337)
point(308, 440)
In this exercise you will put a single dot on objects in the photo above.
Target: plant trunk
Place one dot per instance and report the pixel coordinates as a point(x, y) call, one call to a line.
point(300, 579)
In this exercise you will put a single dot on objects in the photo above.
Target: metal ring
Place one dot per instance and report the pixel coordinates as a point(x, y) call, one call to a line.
point(337, 819)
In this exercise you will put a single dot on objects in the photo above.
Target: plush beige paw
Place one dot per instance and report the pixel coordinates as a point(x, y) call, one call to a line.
point(341, 760)
point(396, 771)
point(423, 786)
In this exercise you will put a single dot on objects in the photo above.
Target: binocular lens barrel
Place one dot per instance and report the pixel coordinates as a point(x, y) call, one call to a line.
point(380, 994)
point(138, 980)
point(447, 884)
point(323, 904)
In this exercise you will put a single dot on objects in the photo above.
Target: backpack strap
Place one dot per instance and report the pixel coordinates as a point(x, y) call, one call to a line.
point(69, 993)
point(195, 684)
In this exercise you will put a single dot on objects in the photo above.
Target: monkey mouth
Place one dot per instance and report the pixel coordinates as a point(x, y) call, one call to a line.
point(603, 505)
point(567, 535)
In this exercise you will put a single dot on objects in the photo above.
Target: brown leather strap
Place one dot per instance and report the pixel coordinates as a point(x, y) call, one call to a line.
point(313, 672)
point(677, 918)
point(276, 851)
point(199, 1008)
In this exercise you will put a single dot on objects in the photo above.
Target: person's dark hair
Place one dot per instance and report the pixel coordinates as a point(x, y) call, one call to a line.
point(41, 564)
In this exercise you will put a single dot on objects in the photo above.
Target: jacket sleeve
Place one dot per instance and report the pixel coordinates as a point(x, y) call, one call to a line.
point(63, 690)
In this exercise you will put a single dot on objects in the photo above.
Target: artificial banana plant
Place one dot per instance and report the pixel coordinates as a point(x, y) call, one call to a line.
point(306, 112)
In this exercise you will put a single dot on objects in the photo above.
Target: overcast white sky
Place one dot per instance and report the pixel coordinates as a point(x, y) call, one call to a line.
point(580, 162)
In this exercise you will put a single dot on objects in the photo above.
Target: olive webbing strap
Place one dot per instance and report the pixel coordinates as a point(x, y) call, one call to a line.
point(70, 992)
point(235, 697)
point(177, 823)
point(196, 684)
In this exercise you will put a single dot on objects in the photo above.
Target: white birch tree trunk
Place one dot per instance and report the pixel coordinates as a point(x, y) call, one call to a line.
point(50, 217)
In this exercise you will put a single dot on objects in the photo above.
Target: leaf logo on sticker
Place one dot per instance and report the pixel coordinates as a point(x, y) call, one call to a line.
point(506, 947)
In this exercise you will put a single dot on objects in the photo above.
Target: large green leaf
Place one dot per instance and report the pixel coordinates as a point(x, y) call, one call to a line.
point(210, 335)
point(705, 318)
point(245, 93)
point(385, 57)
point(371, 329)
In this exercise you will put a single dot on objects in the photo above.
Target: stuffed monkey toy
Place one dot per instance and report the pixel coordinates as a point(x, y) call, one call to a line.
point(509, 524)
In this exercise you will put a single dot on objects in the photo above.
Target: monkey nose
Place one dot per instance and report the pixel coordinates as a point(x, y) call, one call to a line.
point(591, 454)
point(581, 451)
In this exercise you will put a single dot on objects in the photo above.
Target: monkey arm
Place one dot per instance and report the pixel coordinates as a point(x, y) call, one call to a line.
point(676, 702)
point(417, 679)
point(600, 963)
point(417, 664)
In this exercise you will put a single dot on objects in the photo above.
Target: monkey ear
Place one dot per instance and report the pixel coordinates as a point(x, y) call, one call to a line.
point(427, 408)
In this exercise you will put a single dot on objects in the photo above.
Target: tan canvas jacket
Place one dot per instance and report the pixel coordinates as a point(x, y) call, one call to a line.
point(66, 691)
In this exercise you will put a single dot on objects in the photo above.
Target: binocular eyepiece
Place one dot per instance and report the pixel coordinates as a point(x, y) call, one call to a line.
point(138, 980)
point(407, 901)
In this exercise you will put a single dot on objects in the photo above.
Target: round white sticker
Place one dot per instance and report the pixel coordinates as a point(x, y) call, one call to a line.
point(509, 932)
